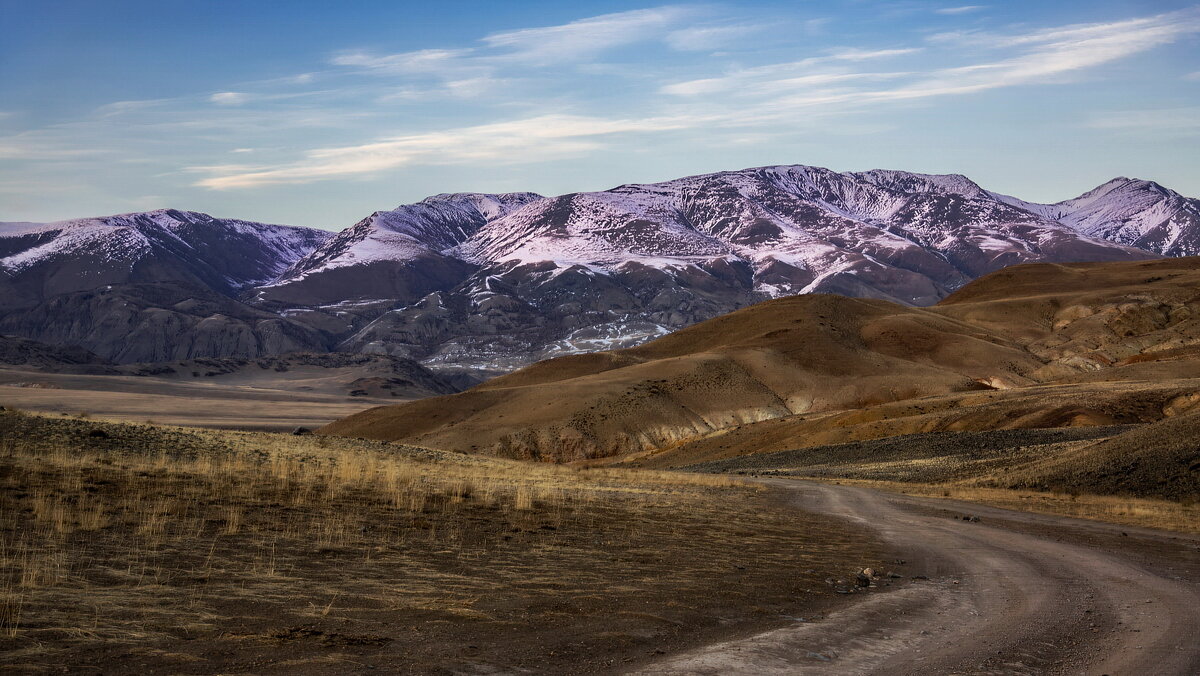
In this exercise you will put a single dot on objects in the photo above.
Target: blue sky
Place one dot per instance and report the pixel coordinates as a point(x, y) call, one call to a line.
point(318, 113)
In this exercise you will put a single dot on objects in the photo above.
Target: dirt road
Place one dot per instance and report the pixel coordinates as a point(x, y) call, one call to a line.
point(1014, 593)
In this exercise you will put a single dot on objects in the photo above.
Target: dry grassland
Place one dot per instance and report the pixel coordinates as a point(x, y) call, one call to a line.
point(136, 548)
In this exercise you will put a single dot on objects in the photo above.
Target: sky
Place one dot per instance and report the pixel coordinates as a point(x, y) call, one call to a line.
point(318, 113)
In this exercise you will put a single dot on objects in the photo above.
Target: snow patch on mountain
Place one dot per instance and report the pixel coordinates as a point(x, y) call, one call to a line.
point(95, 239)
point(433, 225)
point(125, 239)
point(1128, 211)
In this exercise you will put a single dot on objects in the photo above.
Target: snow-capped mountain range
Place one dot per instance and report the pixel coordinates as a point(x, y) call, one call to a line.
point(165, 245)
point(495, 281)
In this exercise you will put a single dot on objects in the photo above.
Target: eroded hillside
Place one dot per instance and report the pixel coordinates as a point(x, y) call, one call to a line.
point(1030, 346)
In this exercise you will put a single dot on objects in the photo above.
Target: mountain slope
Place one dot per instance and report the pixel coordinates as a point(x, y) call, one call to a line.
point(222, 255)
point(1130, 211)
point(128, 323)
point(21, 352)
point(1030, 346)
point(398, 255)
point(152, 286)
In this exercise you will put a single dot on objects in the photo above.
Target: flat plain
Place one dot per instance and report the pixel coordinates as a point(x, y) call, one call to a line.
point(262, 403)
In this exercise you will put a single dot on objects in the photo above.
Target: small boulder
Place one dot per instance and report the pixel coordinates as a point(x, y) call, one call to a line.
point(839, 586)
point(301, 431)
point(862, 580)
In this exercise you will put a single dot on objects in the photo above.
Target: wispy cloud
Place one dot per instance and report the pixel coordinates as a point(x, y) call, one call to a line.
point(869, 54)
point(1048, 55)
point(964, 9)
point(813, 71)
point(420, 61)
point(837, 81)
point(1042, 56)
point(587, 37)
point(816, 26)
point(486, 67)
point(46, 145)
point(229, 98)
point(525, 140)
point(704, 38)
point(1174, 121)
point(543, 46)
point(125, 107)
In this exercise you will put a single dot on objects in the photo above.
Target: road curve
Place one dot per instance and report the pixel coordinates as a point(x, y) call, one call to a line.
point(999, 600)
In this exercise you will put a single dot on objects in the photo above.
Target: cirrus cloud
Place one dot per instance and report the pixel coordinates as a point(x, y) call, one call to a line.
point(229, 98)
point(524, 140)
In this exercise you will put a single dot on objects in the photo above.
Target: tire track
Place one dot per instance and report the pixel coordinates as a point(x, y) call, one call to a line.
point(997, 601)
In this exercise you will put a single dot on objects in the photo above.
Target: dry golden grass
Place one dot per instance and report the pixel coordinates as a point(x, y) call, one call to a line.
point(204, 544)
point(1145, 513)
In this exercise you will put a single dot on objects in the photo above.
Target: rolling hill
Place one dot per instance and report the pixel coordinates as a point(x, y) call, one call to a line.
point(1031, 346)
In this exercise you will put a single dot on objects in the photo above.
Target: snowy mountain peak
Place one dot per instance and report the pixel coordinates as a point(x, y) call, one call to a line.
point(1116, 185)
point(909, 182)
point(1138, 213)
point(490, 205)
point(409, 233)
point(226, 254)
point(1129, 211)
point(443, 221)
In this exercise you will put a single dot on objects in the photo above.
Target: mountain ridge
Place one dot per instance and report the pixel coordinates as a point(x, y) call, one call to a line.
point(495, 281)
